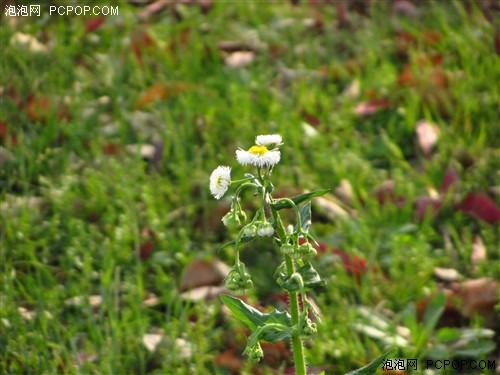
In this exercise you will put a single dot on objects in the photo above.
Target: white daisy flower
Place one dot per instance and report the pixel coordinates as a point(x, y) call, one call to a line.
point(259, 156)
point(219, 181)
point(270, 140)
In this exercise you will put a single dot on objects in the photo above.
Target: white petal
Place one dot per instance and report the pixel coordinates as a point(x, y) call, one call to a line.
point(274, 140)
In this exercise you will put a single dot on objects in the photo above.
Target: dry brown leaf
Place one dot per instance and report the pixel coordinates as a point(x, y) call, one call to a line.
point(478, 297)
point(6, 136)
point(239, 59)
point(478, 251)
point(26, 314)
point(344, 191)
point(353, 90)
point(203, 273)
point(29, 41)
point(329, 206)
point(371, 107)
point(151, 341)
point(446, 274)
point(203, 293)
point(427, 136)
point(147, 152)
point(160, 91)
point(94, 301)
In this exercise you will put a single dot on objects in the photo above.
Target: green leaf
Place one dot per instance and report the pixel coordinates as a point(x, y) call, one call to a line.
point(299, 199)
point(310, 277)
point(374, 365)
point(254, 319)
point(434, 311)
point(305, 216)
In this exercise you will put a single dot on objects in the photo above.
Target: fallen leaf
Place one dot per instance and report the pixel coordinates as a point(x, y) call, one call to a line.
point(94, 301)
point(353, 90)
point(203, 273)
point(371, 107)
point(446, 274)
point(147, 152)
point(151, 341)
point(112, 148)
point(28, 41)
point(38, 107)
point(406, 8)
point(311, 119)
point(344, 191)
point(478, 297)
point(153, 8)
point(141, 42)
point(450, 180)
point(148, 240)
point(478, 251)
point(203, 293)
point(480, 206)
point(26, 314)
point(234, 46)
point(239, 59)
point(329, 207)
point(94, 23)
point(427, 206)
point(6, 136)
point(427, 136)
point(160, 91)
point(386, 193)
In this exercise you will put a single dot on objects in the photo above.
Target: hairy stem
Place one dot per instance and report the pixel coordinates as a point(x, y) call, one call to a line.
point(297, 346)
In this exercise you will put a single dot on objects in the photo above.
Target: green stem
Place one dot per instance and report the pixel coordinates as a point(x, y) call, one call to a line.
point(297, 346)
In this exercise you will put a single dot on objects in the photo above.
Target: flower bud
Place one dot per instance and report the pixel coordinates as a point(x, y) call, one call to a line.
point(307, 250)
point(254, 353)
point(309, 328)
point(250, 230)
point(231, 220)
point(237, 282)
point(265, 229)
point(287, 249)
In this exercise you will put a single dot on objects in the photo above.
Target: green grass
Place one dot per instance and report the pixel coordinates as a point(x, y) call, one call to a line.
point(85, 239)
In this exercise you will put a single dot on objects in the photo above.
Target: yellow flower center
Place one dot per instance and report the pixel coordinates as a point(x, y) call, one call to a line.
point(258, 150)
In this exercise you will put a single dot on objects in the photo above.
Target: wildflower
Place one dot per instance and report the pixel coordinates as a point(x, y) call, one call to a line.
point(270, 140)
point(258, 155)
point(219, 181)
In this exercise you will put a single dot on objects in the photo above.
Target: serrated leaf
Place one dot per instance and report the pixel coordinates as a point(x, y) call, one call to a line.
point(310, 277)
point(297, 199)
point(371, 368)
point(254, 319)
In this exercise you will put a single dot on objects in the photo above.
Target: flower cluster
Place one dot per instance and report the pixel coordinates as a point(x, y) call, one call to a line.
point(265, 153)
point(295, 275)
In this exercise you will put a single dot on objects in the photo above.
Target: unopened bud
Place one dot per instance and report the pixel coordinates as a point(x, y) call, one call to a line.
point(265, 229)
